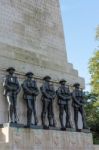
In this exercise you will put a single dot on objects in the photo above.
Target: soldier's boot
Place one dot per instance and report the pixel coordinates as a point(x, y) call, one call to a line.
point(76, 119)
point(76, 125)
point(15, 120)
point(54, 122)
point(36, 120)
point(50, 121)
point(15, 116)
point(61, 122)
point(84, 122)
point(68, 125)
point(28, 121)
point(29, 116)
point(43, 121)
point(35, 116)
point(10, 116)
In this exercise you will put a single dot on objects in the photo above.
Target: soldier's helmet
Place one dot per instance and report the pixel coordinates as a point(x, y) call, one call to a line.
point(76, 84)
point(29, 73)
point(47, 78)
point(62, 80)
point(10, 68)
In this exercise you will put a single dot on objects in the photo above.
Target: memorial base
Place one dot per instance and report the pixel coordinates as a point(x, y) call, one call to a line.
point(20, 138)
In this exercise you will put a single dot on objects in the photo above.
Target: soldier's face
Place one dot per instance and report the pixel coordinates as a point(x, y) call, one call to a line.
point(11, 72)
point(63, 83)
point(47, 80)
point(77, 86)
point(30, 76)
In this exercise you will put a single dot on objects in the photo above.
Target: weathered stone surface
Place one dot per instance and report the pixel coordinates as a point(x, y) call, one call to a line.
point(23, 139)
point(32, 38)
point(96, 147)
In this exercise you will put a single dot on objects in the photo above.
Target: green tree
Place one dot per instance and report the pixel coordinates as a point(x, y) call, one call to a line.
point(92, 98)
point(92, 114)
point(94, 72)
point(94, 67)
point(97, 33)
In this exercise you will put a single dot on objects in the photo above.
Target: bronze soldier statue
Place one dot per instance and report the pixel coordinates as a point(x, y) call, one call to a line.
point(31, 91)
point(11, 90)
point(78, 104)
point(64, 97)
point(48, 95)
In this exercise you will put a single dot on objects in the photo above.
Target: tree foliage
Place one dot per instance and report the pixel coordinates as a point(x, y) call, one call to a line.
point(94, 71)
point(92, 111)
point(97, 33)
point(92, 98)
point(92, 114)
point(94, 67)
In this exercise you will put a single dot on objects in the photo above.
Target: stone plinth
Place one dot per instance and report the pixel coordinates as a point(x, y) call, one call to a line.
point(96, 147)
point(38, 139)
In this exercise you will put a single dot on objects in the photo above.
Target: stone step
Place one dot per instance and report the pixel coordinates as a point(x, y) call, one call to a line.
point(96, 147)
point(16, 138)
point(5, 146)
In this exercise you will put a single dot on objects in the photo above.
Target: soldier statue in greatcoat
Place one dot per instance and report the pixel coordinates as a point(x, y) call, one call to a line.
point(78, 104)
point(11, 90)
point(48, 95)
point(31, 91)
point(64, 96)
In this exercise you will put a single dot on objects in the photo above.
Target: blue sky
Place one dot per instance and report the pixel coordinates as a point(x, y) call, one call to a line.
point(80, 18)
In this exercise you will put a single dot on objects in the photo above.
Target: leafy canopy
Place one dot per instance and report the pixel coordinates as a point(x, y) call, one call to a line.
point(94, 71)
point(94, 67)
point(92, 98)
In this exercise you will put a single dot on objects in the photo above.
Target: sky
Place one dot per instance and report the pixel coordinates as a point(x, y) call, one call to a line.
point(80, 19)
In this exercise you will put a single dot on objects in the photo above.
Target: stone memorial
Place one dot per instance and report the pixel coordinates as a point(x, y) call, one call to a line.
point(32, 40)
